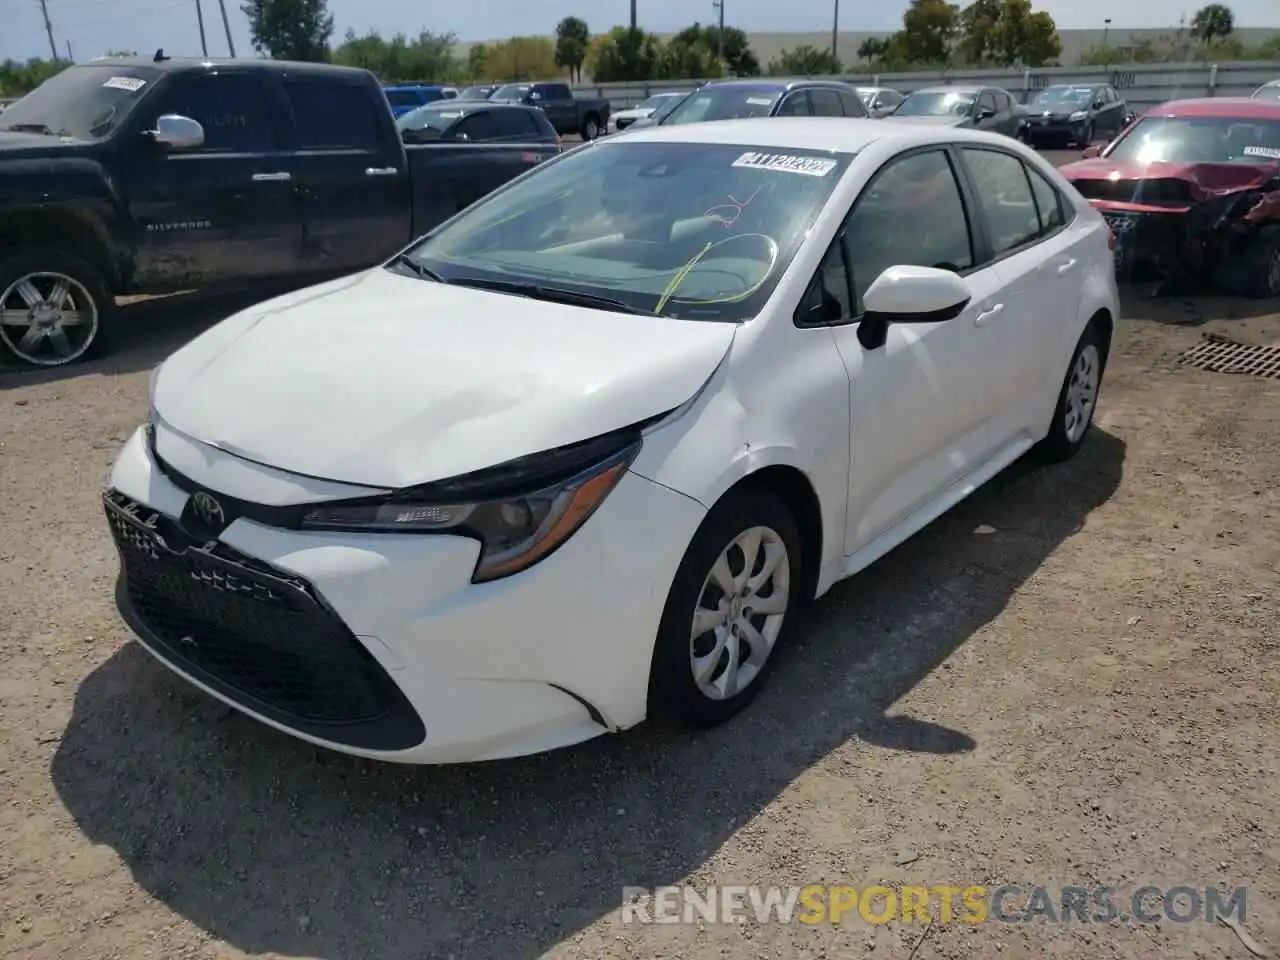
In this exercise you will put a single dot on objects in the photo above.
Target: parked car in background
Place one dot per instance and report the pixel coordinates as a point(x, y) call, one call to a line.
point(405, 97)
point(588, 118)
point(625, 118)
point(450, 93)
point(1078, 114)
point(762, 97)
point(541, 477)
point(483, 92)
point(1268, 91)
point(476, 121)
point(979, 108)
point(125, 176)
point(1192, 193)
point(880, 101)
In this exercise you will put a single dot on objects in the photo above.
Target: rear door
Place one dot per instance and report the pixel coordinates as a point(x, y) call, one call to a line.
point(1023, 218)
point(987, 102)
point(351, 174)
point(226, 210)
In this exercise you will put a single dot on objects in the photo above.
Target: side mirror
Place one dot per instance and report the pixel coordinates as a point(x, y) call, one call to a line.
point(464, 137)
point(986, 113)
point(910, 294)
point(1098, 104)
point(535, 96)
point(176, 132)
point(1091, 151)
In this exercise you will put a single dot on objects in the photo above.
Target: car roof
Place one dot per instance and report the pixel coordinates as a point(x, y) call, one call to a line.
point(837, 134)
point(1241, 108)
point(198, 64)
point(414, 86)
point(470, 106)
point(953, 88)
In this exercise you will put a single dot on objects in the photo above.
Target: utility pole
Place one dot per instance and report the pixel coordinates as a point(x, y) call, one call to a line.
point(48, 27)
point(226, 25)
point(720, 34)
point(69, 56)
point(204, 45)
point(633, 14)
point(835, 30)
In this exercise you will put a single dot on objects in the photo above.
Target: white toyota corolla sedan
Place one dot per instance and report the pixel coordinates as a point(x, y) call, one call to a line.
point(580, 453)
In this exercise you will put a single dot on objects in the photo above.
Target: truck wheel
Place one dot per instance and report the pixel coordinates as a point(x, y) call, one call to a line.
point(55, 308)
point(590, 127)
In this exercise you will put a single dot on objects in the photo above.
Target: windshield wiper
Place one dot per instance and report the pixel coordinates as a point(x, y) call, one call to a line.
point(404, 260)
point(536, 291)
point(29, 128)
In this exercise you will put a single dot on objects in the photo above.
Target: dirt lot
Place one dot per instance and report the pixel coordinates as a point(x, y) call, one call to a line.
point(1068, 680)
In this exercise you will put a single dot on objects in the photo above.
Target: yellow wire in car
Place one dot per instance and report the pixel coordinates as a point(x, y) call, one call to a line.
point(679, 277)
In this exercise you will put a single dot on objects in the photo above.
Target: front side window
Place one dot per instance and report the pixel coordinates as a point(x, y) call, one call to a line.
point(825, 103)
point(936, 104)
point(1198, 140)
point(231, 107)
point(1004, 193)
point(84, 103)
point(691, 230)
point(1049, 203)
point(910, 214)
point(724, 103)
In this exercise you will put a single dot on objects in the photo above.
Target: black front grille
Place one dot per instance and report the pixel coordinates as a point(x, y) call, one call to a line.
point(259, 636)
point(1154, 193)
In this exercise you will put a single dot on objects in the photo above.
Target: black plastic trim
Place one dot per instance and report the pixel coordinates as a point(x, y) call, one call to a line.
point(595, 715)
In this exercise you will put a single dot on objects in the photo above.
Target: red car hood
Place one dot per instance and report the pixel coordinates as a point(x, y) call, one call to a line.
point(1206, 180)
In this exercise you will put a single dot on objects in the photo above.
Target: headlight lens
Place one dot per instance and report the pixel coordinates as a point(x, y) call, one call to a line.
point(1079, 115)
point(515, 529)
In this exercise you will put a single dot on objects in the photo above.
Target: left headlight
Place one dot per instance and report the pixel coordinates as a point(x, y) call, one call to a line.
point(1079, 115)
point(520, 511)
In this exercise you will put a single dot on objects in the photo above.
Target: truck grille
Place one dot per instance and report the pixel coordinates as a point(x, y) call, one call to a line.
point(257, 635)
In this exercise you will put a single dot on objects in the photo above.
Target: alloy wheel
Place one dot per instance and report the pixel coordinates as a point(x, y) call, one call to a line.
point(47, 319)
point(740, 612)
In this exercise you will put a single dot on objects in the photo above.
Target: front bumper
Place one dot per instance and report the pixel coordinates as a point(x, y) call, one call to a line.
point(1051, 129)
point(379, 645)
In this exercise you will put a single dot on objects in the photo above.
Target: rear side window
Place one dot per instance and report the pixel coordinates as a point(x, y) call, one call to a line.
point(1004, 194)
point(1049, 202)
point(477, 126)
point(852, 104)
point(796, 105)
point(514, 123)
point(825, 103)
point(333, 115)
point(556, 91)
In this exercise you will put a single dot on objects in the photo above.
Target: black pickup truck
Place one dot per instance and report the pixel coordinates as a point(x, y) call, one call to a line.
point(568, 114)
point(126, 176)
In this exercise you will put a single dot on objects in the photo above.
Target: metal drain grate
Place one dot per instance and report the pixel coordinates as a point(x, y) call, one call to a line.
point(1221, 355)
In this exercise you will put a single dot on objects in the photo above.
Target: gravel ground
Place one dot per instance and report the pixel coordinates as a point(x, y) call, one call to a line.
point(1066, 680)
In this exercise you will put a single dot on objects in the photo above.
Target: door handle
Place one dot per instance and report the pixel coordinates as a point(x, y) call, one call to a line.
point(272, 177)
point(981, 319)
point(1064, 268)
point(380, 171)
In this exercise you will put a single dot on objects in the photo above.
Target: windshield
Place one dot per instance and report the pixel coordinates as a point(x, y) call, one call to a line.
point(1199, 140)
point(475, 93)
point(693, 230)
point(87, 103)
point(657, 100)
point(866, 95)
point(427, 123)
point(667, 106)
point(1270, 92)
point(940, 104)
point(512, 91)
point(724, 103)
point(1076, 98)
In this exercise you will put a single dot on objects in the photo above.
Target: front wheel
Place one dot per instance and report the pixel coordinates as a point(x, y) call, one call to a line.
point(736, 591)
point(590, 128)
point(1077, 400)
point(54, 308)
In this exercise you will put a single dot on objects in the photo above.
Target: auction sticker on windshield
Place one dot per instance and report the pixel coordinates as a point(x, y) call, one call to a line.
point(132, 84)
point(1271, 153)
point(787, 163)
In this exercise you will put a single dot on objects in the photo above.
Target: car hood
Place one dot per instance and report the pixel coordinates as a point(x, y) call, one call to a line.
point(635, 113)
point(388, 381)
point(1206, 180)
point(15, 144)
point(932, 121)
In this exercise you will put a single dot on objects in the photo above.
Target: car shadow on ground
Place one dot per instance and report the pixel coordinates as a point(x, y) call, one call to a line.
point(149, 329)
point(1138, 303)
point(274, 846)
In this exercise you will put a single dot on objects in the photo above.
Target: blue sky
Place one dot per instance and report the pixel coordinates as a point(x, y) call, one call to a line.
point(95, 26)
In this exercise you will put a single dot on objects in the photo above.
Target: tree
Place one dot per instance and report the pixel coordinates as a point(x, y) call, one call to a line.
point(1017, 36)
point(1213, 22)
point(290, 29)
point(624, 54)
point(929, 30)
point(682, 58)
point(572, 40)
point(18, 78)
point(478, 60)
point(428, 56)
point(804, 61)
point(874, 48)
point(522, 58)
point(739, 59)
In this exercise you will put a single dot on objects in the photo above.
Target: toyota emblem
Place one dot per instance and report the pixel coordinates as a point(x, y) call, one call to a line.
point(208, 510)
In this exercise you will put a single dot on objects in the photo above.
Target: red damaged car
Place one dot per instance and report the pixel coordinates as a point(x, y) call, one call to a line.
point(1192, 192)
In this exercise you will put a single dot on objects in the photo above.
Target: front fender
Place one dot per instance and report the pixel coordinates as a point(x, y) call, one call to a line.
point(41, 196)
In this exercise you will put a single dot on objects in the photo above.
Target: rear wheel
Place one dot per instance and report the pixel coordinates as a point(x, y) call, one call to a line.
point(55, 308)
point(590, 127)
point(1263, 268)
point(1078, 398)
point(735, 593)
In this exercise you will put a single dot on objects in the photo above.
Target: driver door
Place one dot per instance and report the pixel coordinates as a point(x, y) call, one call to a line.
point(920, 405)
point(987, 105)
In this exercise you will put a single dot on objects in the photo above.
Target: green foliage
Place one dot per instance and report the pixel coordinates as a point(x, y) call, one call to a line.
point(428, 56)
point(1213, 22)
point(572, 41)
point(17, 78)
point(805, 61)
point(290, 29)
point(625, 54)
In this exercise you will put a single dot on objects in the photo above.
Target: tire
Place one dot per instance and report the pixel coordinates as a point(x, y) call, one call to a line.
point(590, 127)
point(1261, 278)
point(1089, 137)
point(88, 298)
point(673, 688)
point(1073, 413)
